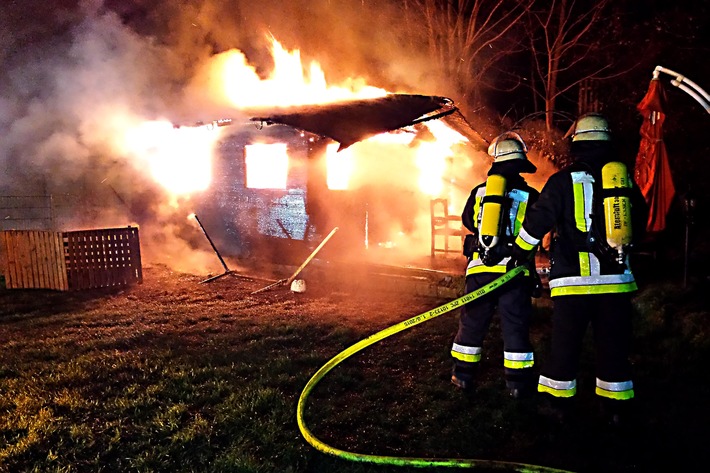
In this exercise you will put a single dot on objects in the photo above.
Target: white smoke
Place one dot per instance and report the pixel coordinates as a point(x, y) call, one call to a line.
point(63, 93)
point(66, 96)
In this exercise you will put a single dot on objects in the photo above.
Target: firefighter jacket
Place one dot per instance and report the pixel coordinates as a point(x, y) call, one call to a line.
point(565, 207)
point(519, 195)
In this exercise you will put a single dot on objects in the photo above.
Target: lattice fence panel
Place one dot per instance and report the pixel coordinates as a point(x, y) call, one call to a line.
point(103, 258)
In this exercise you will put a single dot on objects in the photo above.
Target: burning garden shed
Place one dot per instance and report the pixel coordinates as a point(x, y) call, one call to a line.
point(370, 167)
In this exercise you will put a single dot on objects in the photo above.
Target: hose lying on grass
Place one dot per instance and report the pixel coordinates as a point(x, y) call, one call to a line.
point(372, 339)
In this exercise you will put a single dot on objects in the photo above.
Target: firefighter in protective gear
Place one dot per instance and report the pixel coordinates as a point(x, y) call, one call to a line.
point(493, 214)
point(588, 285)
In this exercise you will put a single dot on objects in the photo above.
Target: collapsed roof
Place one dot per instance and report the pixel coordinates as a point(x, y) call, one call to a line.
point(352, 121)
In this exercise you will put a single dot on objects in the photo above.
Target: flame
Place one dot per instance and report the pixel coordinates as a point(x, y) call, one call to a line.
point(432, 157)
point(404, 139)
point(339, 167)
point(178, 158)
point(400, 164)
point(364, 160)
point(287, 85)
point(266, 165)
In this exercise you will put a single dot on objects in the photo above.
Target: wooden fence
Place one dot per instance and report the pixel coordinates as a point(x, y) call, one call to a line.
point(33, 259)
point(70, 260)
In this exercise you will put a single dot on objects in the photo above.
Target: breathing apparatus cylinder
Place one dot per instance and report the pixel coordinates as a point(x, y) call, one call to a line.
point(492, 212)
point(617, 207)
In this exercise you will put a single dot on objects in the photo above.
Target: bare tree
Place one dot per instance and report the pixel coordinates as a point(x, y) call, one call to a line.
point(466, 37)
point(563, 48)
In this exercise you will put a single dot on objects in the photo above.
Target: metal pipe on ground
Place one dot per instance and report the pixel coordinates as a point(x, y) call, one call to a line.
point(221, 260)
point(288, 281)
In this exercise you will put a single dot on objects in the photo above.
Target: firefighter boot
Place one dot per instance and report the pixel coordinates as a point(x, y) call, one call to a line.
point(617, 414)
point(556, 411)
point(463, 376)
point(521, 383)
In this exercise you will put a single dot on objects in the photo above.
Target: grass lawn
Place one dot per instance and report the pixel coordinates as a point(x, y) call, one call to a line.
point(173, 375)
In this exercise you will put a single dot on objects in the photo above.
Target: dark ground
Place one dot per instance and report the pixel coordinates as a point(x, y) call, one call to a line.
point(395, 397)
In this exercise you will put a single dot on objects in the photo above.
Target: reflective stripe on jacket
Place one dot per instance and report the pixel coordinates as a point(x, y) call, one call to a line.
point(565, 205)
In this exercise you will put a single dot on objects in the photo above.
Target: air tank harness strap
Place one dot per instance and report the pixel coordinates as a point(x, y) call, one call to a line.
point(371, 340)
point(496, 199)
point(615, 192)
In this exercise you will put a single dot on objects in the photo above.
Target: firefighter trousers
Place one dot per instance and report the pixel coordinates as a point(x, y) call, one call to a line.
point(514, 304)
point(610, 319)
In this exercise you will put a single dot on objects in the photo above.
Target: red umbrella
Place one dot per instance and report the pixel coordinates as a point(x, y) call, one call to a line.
point(653, 174)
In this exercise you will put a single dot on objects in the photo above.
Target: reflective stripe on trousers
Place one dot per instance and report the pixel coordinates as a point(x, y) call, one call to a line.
point(467, 354)
point(515, 360)
point(511, 360)
point(622, 391)
point(557, 388)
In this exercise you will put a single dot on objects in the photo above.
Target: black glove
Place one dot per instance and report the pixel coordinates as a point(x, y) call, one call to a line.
point(518, 257)
point(470, 244)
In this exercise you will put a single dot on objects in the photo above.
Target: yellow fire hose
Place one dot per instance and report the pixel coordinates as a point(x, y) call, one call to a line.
point(408, 461)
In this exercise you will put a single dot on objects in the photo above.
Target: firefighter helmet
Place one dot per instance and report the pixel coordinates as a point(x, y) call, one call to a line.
point(510, 154)
point(591, 127)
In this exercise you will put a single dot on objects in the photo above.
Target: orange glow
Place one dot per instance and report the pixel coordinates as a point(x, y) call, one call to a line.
point(393, 138)
point(384, 159)
point(339, 167)
point(266, 166)
point(432, 164)
point(432, 157)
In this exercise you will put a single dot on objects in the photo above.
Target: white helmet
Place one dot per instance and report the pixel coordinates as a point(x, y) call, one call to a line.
point(510, 149)
point(591, 127)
